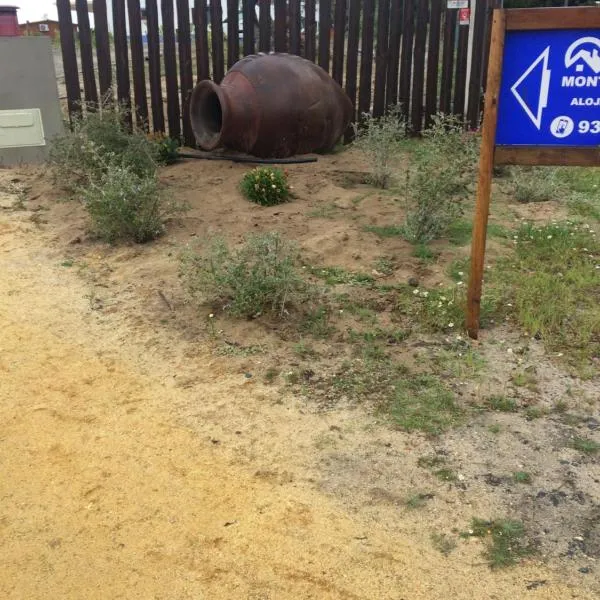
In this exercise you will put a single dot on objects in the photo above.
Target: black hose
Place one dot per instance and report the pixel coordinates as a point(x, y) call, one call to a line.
point(249, 159)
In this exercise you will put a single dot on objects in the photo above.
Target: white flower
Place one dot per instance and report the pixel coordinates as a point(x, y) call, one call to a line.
point(450, 324)
point(415, 292)
point(460, 273)
point(211, 316)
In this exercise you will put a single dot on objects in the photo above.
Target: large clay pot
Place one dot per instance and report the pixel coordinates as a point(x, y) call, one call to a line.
point(270, 105)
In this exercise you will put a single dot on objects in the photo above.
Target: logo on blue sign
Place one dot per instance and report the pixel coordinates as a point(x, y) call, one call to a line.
point(550, 91)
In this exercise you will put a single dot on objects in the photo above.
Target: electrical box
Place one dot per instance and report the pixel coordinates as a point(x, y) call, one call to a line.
point(21, 128)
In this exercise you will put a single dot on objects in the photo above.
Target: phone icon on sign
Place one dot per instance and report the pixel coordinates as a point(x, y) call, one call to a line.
point(562, 126)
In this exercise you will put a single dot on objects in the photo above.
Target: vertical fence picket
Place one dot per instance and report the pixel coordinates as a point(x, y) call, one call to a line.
point(249, 16)
point(69, 56)
point(406, 62)
point(122, 58)
point(216, 28)
point(381, 57)
point(475, 80)
point(280, 26)
point(295, 27)
point(310, 30)
point(233, 32)
point(324, 33)
point(137, 62)
point(416, 120)
point(391, 97)
point(170, 56)
point(186, 75)
point(433, 56)
point(339, 33)
point(201, 35)
point(460, 75)
point(352, 59)
point(366, 57)
point(264, 26)
point(450, 17)
point(154, 70)
point(87, 55)
point(103, 51)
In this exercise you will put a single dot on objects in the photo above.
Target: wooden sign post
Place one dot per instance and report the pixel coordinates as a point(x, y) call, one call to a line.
point(542, 106)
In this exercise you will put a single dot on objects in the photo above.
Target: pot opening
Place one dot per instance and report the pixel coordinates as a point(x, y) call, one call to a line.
point(207, 115)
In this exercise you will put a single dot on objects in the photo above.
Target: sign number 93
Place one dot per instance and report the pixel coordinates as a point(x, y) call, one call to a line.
point(589, 126)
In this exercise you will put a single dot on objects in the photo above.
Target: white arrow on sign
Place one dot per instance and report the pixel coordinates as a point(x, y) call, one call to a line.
point(535, 112)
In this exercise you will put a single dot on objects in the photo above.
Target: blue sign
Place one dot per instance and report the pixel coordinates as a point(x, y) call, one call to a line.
point(550, 90)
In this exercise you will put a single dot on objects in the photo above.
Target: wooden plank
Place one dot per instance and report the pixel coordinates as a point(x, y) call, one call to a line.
point(310, 30)
point(280, 26)
point(170, 58)
point(264, 25)
point(381, 56)
point(201, 35)
point(419, 67)
point(580, 17)
point(491, 5)
point(324, 33)
point(186, 75)
point(486, 165)
point(103, 51)
point(154, 70)
point(216, 28)
point(122, 58)
point(352, 59)
point(249, 18)
point(339, 33)
point(460, 75)
point(137, 63)
point(69, 56)
point(571, 156)
point(433, 57)
point(366, 57)
point(233, 32)
point(476, 79)
point(295, 27)
point(450, 17)
point(406, 61)
point(394, 52)
point(87, 55)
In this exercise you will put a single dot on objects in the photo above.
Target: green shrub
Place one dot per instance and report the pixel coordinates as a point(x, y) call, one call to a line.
point(265, 186)
point(95, 142)
point(259, 276)
point(379, 138)
point(124, 205)
point(537, 184)
point(167, 148)
point(443, 167)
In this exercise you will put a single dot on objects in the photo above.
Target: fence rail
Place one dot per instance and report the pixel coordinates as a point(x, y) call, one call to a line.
point(413, 52)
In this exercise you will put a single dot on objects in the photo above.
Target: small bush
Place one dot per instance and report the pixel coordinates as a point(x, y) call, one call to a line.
point(379, 138)
point(265, 186)
point(166, 148)
point(259, 276)
point(126, 206)
point(443, 167)
point(537, 184)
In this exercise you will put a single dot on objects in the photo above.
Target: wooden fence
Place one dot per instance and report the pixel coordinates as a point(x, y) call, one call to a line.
point(383, 52)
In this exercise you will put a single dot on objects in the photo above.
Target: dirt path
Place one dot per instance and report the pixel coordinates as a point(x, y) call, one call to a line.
point(107, 495)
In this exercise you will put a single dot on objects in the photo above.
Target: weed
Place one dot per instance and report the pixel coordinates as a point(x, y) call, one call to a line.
point(461, 361)
point(502, 404)
point(521, 477)
point(292, 378)
point(303, 350)
point(271, 375)
point(446, 474)
point(126, 206)
point(417, 500)
point(585, 445)
point(494, 428)
point(526, 379)
point(439, 310)
point(428, 462)
point(265, 186)
point(326, 211)
point(535, 184)
point(442, 542)
point(260, 275)
point(167, 148)
point(317, 322)
point(385, 231)
point(560, 407)
point(423, 252)
point(460, 231)
point(506, 540)
point(379, 138)
point(442, 168)
point(459, 269)
point(385, 266)
point(337, 276)
point(534, 412)
point(422, 402)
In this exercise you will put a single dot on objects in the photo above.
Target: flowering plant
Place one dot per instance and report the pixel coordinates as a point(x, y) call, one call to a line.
point(266, 186)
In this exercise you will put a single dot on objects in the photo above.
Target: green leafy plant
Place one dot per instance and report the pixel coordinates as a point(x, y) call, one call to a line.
point(126, 206)
point(585, 445)
point(167, 148)
point(260, 275)
point(536, 184)
point(380, 140)
point(265, 186)
point(442, 169)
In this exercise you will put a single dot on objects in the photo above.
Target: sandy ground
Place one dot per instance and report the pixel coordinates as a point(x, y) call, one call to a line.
point(119, 478)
